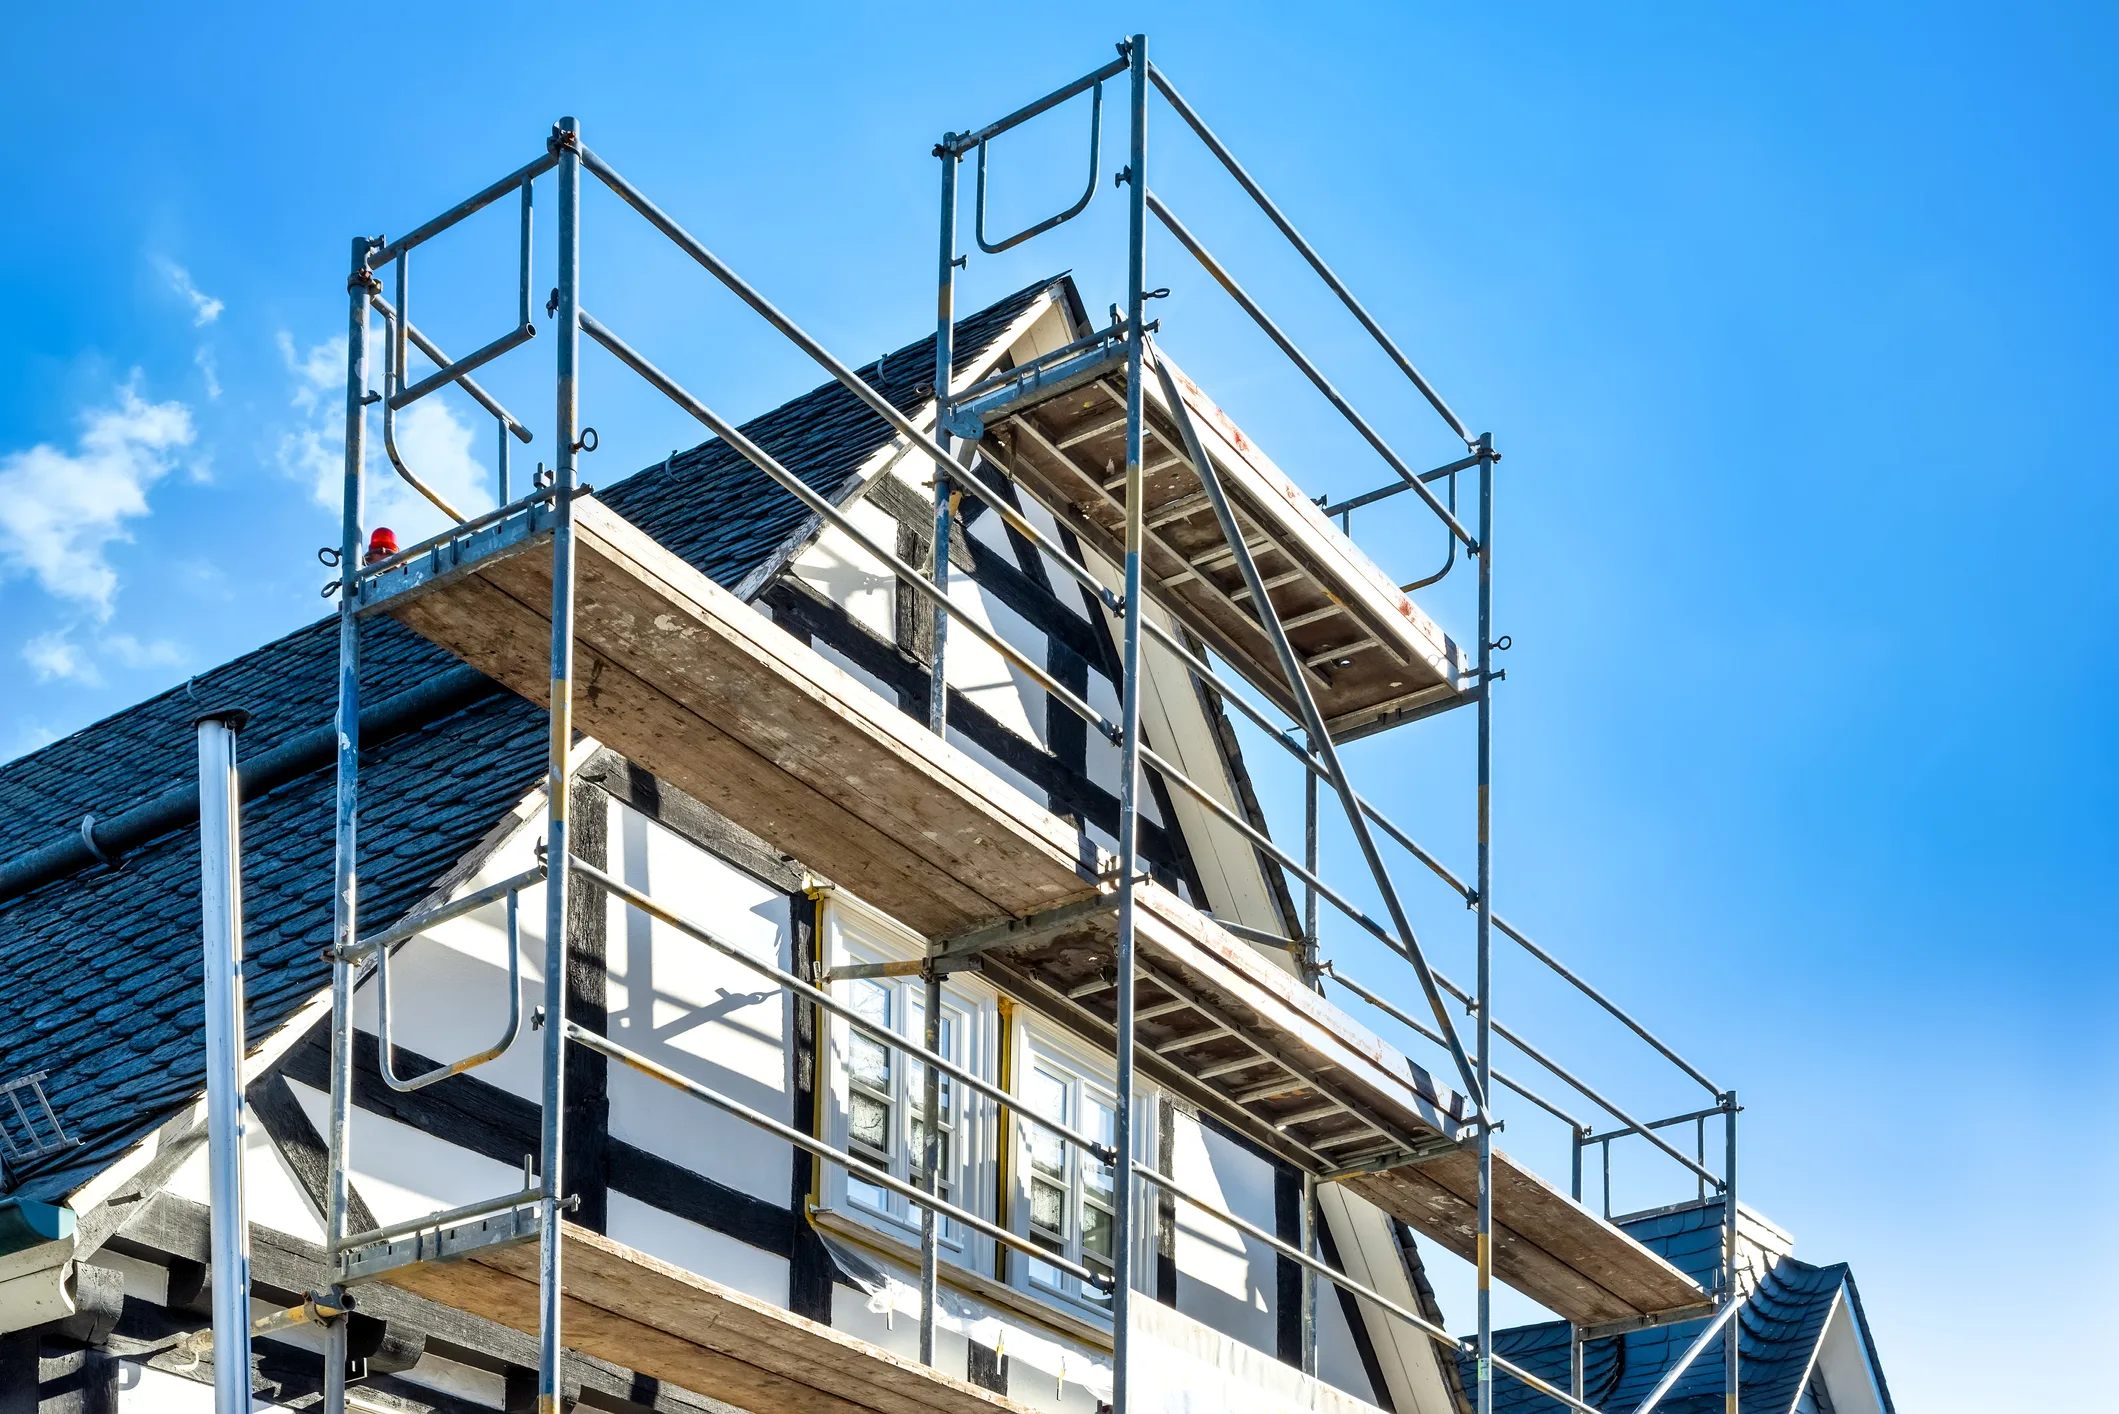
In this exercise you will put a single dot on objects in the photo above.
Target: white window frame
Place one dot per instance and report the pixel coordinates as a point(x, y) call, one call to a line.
point(854, 933)
point(1085, 1073)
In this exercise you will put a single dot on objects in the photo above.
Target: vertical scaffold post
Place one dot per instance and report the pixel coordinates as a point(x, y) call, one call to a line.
point(1123, 1183)
point(1309, 1278)
point(944, 362)
point(221, 919)
point(345, 918)
point(938, 723)
point(567, 138)
point(1733, 1334)
point(931, 1168)
point(1310, 949)
point(1486, 920)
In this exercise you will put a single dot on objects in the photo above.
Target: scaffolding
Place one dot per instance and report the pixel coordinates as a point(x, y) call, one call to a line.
point(1177, 524)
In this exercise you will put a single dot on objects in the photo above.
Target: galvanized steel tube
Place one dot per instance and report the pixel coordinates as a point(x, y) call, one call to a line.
point(345, 917)
point(1485, 901)
point(557, 858)
point(1122, 1187)
point(221, 910)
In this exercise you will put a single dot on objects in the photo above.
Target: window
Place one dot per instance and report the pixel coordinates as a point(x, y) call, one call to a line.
point(1062, 1198)
point(1070, 1193)
point(886, 1093)
point(877, 1092)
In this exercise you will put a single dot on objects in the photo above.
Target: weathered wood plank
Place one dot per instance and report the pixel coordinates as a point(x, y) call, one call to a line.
point(1063, 448)
point(631, 1309)
point(507, 640)
point(674, 672)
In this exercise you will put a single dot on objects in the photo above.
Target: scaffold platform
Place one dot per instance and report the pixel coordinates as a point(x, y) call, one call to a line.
point(1372, 656)
point(677, 674)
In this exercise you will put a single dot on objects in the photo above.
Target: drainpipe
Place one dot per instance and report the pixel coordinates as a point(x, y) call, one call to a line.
point(221, 903)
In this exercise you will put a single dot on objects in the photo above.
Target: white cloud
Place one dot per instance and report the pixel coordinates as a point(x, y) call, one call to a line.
point(436, 447)
point(59, 511)
point(322, 368)
point(209, 371)
point(56, 655)
point(133, 653)
point(204, 307)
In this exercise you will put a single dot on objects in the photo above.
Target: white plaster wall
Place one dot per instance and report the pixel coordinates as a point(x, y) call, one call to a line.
point(688, 1007)
point(271, 1194)
point(702, 1250)
point(1224, 1278)
point(448, 988)
point(1046, 1371)
point(406, 1173)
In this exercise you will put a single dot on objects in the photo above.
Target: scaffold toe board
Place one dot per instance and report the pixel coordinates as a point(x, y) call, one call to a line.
point(1264, 1044)
point(1372, 656)
point(645, 1315)
point(680, 676)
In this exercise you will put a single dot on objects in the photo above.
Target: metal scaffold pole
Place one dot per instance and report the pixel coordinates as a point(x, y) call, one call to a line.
point(1732, 1343)
point(944, 361)
point(558, 860)
point(221, 900)
point(345, 918)
point(938, 723)
point(1485, 886)
point(1122, 1187)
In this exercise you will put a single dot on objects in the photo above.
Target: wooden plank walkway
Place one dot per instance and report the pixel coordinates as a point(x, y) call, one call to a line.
point(1373, 656)
point(634, 1310)
point(678, 675)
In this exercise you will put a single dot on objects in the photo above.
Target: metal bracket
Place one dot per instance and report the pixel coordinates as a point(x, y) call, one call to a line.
point(504, 1229)
point(1020, 930)
point(1402, 1157)
point(1646, 1321)
point(960, 422)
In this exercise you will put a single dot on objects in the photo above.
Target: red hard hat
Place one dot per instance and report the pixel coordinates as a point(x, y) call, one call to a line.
point(381, 545)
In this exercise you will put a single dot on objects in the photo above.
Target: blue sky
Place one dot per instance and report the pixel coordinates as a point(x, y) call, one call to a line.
point(1795, 326)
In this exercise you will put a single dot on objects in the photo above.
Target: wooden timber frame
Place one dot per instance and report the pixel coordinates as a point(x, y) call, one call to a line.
point(565, 602)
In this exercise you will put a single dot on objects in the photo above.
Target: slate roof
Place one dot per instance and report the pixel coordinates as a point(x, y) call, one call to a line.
point(1781, 1326)
point(100, 971)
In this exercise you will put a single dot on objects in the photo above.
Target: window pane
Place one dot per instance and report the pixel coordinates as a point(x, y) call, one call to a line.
point(868, 1122)
point(1047, 1094)
point(871, 1000)
point(869, 1063)
point(1096, 1231)
point(944, 1161)
point(1048, 1152)
point(1103, 1124)
point(1048, 1211)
